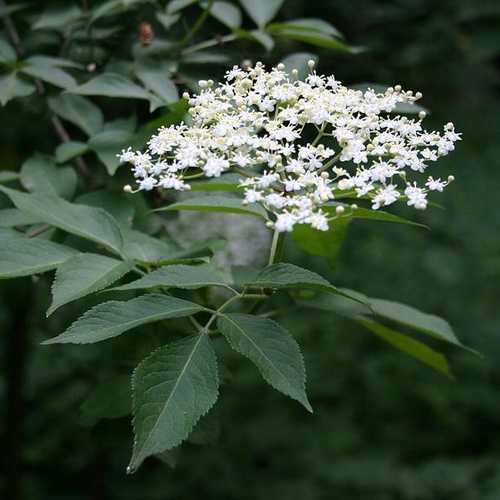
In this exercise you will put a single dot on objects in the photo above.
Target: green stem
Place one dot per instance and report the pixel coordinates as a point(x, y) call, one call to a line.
point(198, 24)
point(209, 43)
point(276, 247)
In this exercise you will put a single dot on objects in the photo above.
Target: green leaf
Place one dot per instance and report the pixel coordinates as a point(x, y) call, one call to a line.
point(380, 215)
point(284, 275)
point(84, 274)
point(314, 38)
point(226, 13)
point(7, 10)
point(20, 256)
point(178, 276)
point(110, 399)
point(91, 223)
point(298, 61)
point(119, 205)
point(272, 349)
point(12, 86)
point(42, 69)
point(166, 20)
point(307, 25)
point(111, 85)
point(263, 38)
point(12, 217)
point(8, 176)
point(172, 388)
point(69, 150)
point(144, 248)
point(40, 174)
point(226, 182)
point(322, 243)
point(79, 111)
point(107, 144)
point(155, 77)
point(176, 5)
point(7, 52)
point(217, 204)
point(261, 11)
point(58, 17)
point(410, 346)
point(420, 321)
point(110, 319)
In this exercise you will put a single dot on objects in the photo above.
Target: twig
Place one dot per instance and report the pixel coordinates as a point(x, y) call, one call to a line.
point(60, 130)
point(198, 24)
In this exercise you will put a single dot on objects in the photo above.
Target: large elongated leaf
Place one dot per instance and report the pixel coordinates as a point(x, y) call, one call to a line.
point(43, 69)
point(409, 316)
point(261, 11)
point(172, 389)
point(272, 349)
point(79, 111)
point(90, 223)
point(58, 17)
point(410, 346)
point(84, 274)
point(226, 13)
point(112, 85)
point(286, 275)
point(178, 276)
point(69, 150)
point(113, 318)
point(217, 204)
point(107, 144)
point(7, 52)
point(40, 175)
point(20, 256)
point(12, 217)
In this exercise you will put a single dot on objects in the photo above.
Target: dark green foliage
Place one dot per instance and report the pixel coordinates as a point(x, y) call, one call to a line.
point(83, 84)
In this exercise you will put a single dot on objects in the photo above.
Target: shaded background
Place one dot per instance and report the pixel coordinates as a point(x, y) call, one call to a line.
point(384, 426)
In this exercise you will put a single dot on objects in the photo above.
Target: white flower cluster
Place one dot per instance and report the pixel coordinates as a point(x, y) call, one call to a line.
point(255, 123)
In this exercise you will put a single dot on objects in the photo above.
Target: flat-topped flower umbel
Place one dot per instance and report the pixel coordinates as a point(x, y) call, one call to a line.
point(254, 124)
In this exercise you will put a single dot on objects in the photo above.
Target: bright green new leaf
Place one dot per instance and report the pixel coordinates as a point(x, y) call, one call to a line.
point(110, 319)
point(217, 204)
point(410, 346)
point(172, 389)
point(178, 276)
point(79, 111)
point(40, 174)
point(261, 11)
point(84, 274)
point(20, 256)
point(93, 224)
point(273, 350)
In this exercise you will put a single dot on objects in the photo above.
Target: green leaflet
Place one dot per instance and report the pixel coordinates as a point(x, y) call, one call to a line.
point(113, 318)
point(91, 223)
point(178, 276)
point(84, 274)
point(217, 204)
point(172, 388)
point(20, 256)
point(273, 350)
point(410, 346)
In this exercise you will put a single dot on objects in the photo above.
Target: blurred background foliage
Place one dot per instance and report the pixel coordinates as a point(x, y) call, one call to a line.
point(384, 428)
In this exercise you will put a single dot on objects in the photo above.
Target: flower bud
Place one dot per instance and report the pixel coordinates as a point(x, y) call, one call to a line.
point(128, 188)
point(422, 115)
point(340, 210)
point(280, 67)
